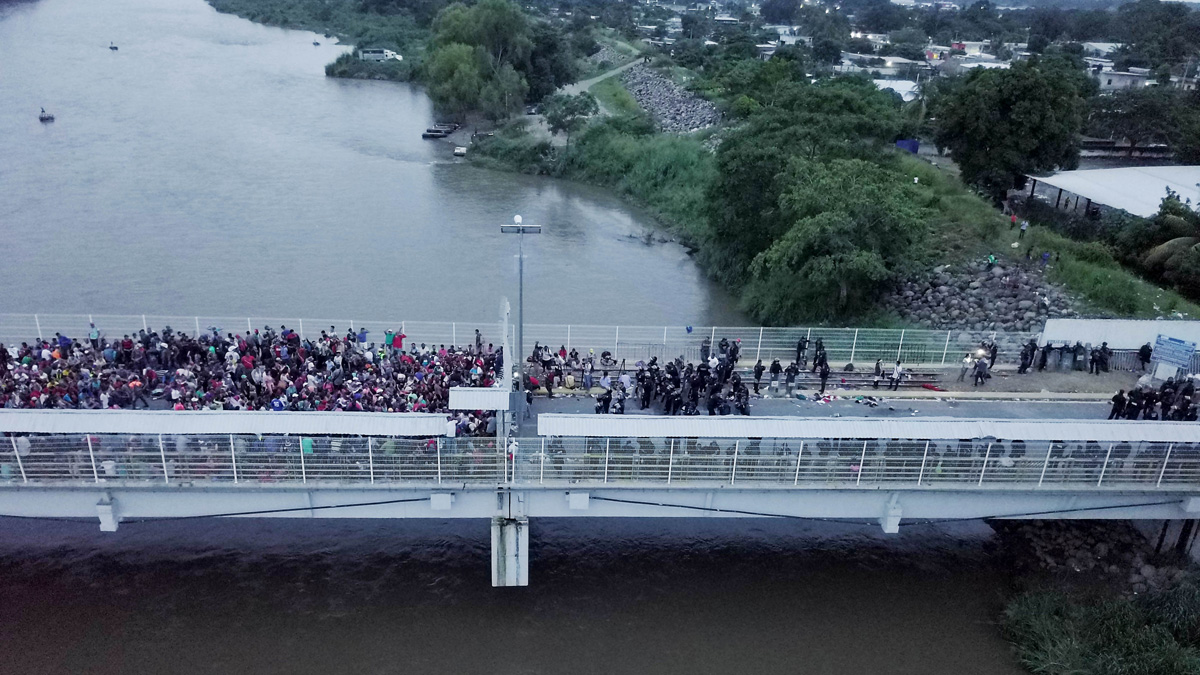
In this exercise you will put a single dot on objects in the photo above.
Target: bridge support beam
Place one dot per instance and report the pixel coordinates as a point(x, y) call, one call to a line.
point(891, 516)
point(108, 518)
point(510, 551)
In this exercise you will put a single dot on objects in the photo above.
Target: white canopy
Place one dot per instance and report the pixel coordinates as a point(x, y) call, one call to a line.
point(1136, 189)
point(221, 422)
point(1118, 333)
point(930, 428)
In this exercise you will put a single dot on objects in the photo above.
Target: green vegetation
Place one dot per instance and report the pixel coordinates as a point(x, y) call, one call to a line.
point(1064, 633)
point(567, 114)
point(614, 97)
point(1002, 124)
point(401, 26)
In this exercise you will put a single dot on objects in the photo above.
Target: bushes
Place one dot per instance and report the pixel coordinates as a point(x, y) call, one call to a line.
point(1058, 633)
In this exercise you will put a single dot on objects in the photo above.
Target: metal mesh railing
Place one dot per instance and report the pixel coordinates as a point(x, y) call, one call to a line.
point(627, 343)
point(840, 463)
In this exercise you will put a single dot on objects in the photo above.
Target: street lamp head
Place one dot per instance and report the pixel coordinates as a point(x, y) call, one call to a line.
point(517, 220)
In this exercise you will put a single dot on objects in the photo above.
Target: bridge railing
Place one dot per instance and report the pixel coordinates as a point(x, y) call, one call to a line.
point(349, 461)
point(628, 343)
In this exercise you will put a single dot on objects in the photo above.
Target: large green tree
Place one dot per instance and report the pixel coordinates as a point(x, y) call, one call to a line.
point(567, 114)
point(456, 78)
point(1140, 116)
point(1002, 124)
point(853, 225)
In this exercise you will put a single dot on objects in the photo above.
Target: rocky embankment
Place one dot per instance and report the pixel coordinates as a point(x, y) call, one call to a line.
point(674, 108)
point(1109, 548)
point(973, 297)
point(607, 55)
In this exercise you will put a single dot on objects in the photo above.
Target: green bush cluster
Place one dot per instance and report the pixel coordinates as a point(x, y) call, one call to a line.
point(1056, 633)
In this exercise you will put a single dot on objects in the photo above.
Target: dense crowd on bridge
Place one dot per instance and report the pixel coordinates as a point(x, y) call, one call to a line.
point(712, 383)
point(263, 369)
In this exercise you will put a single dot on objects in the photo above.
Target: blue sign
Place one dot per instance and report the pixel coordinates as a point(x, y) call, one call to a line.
point(1173, 351)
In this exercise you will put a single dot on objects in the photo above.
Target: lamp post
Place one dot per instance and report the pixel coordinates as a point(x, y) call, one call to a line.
point(520, 230)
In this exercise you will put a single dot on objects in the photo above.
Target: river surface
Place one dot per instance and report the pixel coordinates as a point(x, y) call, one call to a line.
point(209, 167)
point(605, 597)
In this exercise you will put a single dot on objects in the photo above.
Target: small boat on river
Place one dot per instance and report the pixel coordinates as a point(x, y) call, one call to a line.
point(316, 44)
point(112, 46)
point(45, 116)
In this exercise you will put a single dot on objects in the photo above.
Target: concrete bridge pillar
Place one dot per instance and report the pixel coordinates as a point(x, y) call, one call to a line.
point(510, 551)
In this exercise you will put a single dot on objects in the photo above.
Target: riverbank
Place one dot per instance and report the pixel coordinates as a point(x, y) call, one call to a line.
point(405, 32)
point(1097, 597)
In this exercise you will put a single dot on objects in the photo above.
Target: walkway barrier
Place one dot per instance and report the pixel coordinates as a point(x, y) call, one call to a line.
point(334, 461)
point(626, 343)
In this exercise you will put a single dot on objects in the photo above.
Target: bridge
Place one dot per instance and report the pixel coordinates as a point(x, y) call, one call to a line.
point(124, 467)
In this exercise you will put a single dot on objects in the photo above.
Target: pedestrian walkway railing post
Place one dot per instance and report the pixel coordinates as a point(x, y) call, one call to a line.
point(986, 457)
point(861, 462)
point(616, 340)
point(712, 339)
point(1104, 468)
point(249, 327)
point(733, 473)
point(924, 457)
point(607, 442)
point(144, 326)
point(39, 325)
point(796, 479)
point(453, 333)
point(1163, 471)
point(370, 459)
point(17, 454)
point(197, 326)
point(1046, 464)
point(901, 346)
point(303, 469)
point(671, 461)
point(758, 353)
point(568, 337)
point(92, 456)
point(439, 462)
point(233, 458)
point(854, 345)
point(664, 337)
point(542, 470)
point(946, 348)
point(162, 453)
point(301, 329)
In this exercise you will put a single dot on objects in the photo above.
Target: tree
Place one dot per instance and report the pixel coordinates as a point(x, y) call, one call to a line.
point(455, 78)
point(551, 62)
point(826, 50)
point(567, 114)
point(1002, 124)
point(853, 225)
point(779, 11)
point(1141, 116)
point(504, 94)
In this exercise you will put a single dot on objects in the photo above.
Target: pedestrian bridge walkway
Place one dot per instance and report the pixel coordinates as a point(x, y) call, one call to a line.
point(127, 467)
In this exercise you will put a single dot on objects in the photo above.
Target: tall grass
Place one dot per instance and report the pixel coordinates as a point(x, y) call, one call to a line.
point(1058, 633)
point(615, 98)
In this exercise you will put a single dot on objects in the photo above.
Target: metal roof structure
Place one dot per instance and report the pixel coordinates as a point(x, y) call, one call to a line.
point(194, 422)
point(1118, 333)
point(929, 428)
point(1136, 189)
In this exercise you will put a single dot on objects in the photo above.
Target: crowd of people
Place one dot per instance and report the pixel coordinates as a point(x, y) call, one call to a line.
point(1172, 400)
point(262, 369)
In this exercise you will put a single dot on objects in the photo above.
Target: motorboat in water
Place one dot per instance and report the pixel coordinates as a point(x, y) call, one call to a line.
point(45, 116)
